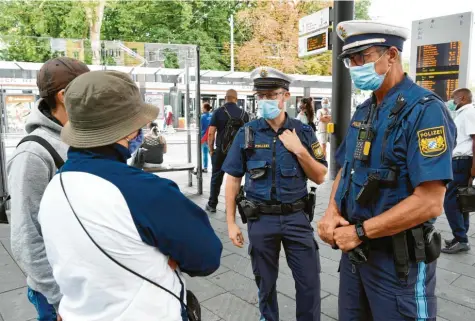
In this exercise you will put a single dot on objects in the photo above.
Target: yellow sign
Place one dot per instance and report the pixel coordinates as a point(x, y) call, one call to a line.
point(432, 141)
point(317, 151)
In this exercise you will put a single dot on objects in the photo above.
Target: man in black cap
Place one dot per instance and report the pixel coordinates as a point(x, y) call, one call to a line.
point(29, 170)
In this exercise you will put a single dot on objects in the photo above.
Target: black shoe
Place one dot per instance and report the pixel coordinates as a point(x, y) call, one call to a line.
point(449, 243)
point(456, 248)
point(210, 209)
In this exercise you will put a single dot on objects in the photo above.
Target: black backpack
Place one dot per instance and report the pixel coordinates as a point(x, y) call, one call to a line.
point(231, 129)
point(58, 161)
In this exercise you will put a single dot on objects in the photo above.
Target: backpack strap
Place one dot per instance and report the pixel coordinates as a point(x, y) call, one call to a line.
point(58, 161)
point(227, 113)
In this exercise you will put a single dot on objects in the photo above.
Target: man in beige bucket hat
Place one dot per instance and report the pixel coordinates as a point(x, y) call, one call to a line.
point(139, 220)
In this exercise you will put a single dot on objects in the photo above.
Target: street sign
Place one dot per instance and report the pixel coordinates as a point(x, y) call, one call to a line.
point(313, 33)
point(440, 52)
point(314, 22)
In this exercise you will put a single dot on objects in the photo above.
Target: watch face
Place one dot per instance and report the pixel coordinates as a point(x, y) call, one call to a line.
point(360, 231)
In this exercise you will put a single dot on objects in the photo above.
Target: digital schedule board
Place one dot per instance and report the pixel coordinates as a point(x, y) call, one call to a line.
point(440, 52)
point(438, 67)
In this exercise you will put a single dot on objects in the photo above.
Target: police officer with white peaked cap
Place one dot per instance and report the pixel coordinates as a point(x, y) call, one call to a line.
point(276, 163)
point(395, 163)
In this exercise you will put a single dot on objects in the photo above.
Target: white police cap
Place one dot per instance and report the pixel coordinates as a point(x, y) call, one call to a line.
point(359, 35)
point(268, 78)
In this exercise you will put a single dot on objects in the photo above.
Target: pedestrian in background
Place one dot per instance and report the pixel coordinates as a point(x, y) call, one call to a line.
point(30, 169)
point(98, 212)
point(463, 168)
point(307, 113)
point(222, 121)
point(151, 151)
point(205, 121)
point(323, 118)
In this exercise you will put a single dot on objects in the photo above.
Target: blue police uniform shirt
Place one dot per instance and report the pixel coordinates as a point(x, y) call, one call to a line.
point(220, 118)
point(282, 168)
point(420, 146)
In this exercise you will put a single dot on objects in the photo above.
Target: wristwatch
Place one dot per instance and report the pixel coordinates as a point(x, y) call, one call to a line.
point(360, 232)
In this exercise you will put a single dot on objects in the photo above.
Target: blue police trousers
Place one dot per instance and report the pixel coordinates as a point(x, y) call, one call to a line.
point(372, 291)
point(458, 221)
point(296, 235)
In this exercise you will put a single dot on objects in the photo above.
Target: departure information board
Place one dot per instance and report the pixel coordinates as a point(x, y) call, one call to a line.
point(438, 67)
point(317, 42)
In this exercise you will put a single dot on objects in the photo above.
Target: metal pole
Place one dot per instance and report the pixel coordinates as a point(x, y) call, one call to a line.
point(188, 119)
point(341, 85)
point(199, 174)
point(232, 42)
point(3, 175)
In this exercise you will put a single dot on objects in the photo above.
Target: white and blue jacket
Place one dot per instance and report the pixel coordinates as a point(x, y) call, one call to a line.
point(139, 219)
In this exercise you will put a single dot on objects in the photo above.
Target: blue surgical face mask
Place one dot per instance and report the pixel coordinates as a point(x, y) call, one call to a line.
point(366, 78)
point(325, 105)
point(135, 142)
point(269, 109)
point(451, 105)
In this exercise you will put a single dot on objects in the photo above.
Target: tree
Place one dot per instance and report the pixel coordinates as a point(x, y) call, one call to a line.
point(94, 13)
point(362, 9)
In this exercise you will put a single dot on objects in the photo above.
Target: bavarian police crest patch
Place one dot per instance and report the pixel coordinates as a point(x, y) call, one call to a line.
point(432, 141)
point(318, 151)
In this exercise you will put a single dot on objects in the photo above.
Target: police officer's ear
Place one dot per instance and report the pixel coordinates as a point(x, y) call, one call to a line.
point(286, 95)
point(394, 55)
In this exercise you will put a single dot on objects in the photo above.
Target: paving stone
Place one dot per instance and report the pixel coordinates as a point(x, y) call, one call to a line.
point(11, 277)
point(207, 315)
point(242, 251)
point(330, 306)
point(329, 283)
point(466, 283)
point(445, 277)
point(238, 285)
point(220, 270)
point(453, 311)
point(203, 288)
point(14, 306)
point(456, 295)
point(4, 231)
point(231, 308)
point(329, 253)
point(326, 318)
point(468, 270)
point(465, 258)
point(287, 308)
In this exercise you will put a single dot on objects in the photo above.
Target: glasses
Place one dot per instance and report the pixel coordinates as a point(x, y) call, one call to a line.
point(269, 96)
point(359, 58)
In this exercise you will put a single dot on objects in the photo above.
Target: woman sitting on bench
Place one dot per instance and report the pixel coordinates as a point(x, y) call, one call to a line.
point(150, 154)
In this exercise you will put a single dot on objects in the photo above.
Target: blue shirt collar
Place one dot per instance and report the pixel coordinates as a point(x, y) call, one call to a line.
point(263, 125)
point(115, 152)
point(402, 86)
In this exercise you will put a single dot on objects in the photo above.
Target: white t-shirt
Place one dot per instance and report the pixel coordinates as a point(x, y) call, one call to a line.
point(465, 123)
point(303, 118)
point(322, 126)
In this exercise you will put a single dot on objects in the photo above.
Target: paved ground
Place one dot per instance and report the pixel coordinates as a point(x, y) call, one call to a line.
point(230, 293)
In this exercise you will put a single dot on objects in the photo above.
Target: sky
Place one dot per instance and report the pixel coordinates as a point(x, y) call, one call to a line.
point(403, 12)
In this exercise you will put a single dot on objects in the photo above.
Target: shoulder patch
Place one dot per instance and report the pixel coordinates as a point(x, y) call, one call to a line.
point(432, 141)
point(318, 151)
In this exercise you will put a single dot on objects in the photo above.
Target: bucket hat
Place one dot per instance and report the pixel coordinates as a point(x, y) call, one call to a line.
point(103, 108)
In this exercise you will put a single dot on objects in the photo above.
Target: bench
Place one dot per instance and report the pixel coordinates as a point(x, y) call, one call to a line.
point(168, 168)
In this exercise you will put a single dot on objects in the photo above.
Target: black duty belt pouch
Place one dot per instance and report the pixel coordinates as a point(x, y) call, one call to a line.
point(432, 242)
point(466, 199)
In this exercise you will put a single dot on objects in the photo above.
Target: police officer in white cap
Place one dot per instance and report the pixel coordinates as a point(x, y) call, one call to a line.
point(395, 163)
point(276, 154)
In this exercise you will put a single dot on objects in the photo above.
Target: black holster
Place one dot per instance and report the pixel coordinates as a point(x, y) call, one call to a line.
point(310, 205)
point(248, 210)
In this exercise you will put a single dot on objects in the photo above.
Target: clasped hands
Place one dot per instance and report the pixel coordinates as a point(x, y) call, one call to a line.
point(336, 231)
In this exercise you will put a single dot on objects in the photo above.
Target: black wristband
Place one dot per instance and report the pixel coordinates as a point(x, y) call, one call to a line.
point(361, 232)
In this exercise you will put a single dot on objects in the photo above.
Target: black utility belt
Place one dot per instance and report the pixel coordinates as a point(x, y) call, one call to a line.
point(282, 209)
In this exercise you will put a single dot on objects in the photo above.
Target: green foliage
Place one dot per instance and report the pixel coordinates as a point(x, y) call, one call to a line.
point(23, 23)
point(362, 9)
